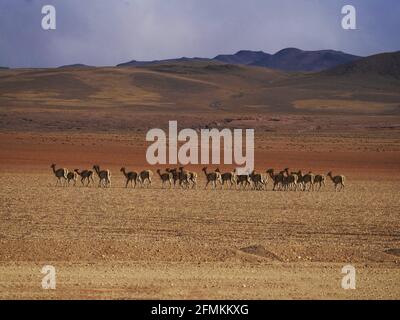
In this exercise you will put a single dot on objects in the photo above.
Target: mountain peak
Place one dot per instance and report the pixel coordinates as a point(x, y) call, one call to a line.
point(242, 57)
point(242, 52)
point(75, 65)
point(289, 51)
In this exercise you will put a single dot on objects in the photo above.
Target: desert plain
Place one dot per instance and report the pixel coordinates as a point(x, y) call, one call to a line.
point(156, 243)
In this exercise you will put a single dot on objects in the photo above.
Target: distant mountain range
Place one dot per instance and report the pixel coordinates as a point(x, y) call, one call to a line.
point(290, 59)
point(135, 63)
point(329, 62)
point(326, 62)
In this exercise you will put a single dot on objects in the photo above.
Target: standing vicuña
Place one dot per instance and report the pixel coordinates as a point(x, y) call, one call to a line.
point(319, 180)
point(104, 176)
point(212, 177)
point(337, 180)
point(187, 177)
point(290, 180)
point(165, 177)
point(228, 178)
point(85, 175)
point(60, 174)
point(306, 179)
point(145, 175)
point(278, 179)
point(258, 180)
point(131, 177)
point(243, 181)
point(175, 175)
point(193, 178)
point(72, 175)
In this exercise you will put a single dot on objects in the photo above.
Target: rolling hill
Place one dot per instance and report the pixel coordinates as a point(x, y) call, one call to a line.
point(201, 87)
point(195, 92)
point(384, 65)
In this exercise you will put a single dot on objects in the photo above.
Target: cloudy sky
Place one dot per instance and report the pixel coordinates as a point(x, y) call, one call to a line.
point(104, 32)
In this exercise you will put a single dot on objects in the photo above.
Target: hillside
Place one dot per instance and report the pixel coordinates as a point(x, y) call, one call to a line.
point(385, 65)
point(119, 97)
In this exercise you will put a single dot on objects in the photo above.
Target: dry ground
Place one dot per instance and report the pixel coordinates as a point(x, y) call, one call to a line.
point(155, 243)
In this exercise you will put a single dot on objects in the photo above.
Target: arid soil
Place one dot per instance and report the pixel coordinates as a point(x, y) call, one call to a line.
point(156, 243)
point(170, 243)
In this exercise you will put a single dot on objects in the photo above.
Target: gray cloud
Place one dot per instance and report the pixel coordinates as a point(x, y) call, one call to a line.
point(101, 32)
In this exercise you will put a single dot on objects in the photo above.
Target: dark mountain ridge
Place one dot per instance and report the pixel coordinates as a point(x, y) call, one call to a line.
point(76, 65)
point(292, 59)
point(135, 63)
point(288, 60)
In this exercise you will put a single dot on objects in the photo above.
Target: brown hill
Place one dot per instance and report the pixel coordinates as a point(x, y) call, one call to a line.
point(384, 65)
point(124, 98)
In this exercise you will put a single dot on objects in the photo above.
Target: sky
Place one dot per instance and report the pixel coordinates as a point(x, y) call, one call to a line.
point(104, 32)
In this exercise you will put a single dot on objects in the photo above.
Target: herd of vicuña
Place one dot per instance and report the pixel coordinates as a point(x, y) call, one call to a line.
point(285, 180)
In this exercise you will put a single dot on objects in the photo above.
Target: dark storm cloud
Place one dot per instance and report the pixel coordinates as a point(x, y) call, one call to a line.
point(102, 32)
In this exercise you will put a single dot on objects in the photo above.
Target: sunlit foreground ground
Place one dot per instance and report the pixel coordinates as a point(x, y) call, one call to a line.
point(154, 243)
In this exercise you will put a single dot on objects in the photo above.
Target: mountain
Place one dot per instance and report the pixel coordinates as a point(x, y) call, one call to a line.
point(73, 66)
point(3, 68)
point(135, 63)
point(289, 59)
point(243, 57)
point(293, 59)
point(384, 64)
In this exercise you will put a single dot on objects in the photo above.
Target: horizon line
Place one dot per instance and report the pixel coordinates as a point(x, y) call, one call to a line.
point(5, 67)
